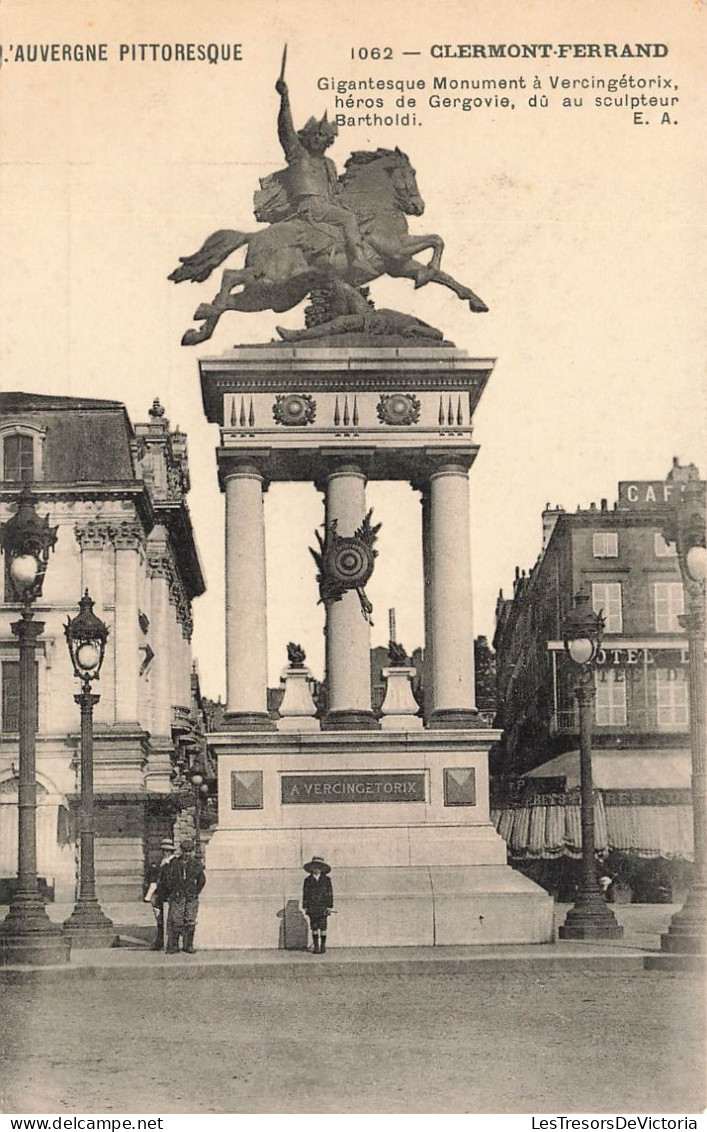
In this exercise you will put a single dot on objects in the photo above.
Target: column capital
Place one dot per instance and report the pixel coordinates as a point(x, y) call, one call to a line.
point(92, 535)
point(328, 464)
point(433, 464)
point(243, 466)
point(128, 535)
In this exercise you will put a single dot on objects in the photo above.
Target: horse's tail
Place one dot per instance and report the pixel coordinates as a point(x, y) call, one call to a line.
point(213, 251)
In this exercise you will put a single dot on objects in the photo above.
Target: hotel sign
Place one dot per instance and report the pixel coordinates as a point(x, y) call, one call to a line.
point(309, 789)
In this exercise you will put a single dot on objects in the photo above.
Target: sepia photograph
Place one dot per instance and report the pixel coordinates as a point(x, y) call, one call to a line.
point(352, 537)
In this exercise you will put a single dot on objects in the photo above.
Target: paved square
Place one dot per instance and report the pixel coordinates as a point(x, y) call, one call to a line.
point(564, 1041)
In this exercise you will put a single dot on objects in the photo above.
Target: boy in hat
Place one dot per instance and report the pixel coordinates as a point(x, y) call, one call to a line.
point(180, 883)
point(151, 882)
point(318, 900)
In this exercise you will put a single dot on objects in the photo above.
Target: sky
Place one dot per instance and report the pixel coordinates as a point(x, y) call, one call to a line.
point(580, 226)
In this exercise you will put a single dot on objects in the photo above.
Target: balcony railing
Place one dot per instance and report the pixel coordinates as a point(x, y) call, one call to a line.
point(635, 719)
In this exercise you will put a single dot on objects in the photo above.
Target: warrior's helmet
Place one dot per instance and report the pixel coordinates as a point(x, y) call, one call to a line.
point(320, 126)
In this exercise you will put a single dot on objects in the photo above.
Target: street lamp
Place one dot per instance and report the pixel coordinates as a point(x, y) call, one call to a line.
point(687, 934)
point(590, 918)
point(27, 935)
point(201, 789)
point(86, 636)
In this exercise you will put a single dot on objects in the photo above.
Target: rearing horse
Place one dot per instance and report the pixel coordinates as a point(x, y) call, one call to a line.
point(286, 260)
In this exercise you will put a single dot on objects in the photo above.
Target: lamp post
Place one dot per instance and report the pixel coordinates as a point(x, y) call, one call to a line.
point(590, 918)
point(27, 935)
point(687, 934)
point(86, 636)
point(200, 789)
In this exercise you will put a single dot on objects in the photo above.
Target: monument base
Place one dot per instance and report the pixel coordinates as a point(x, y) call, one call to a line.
point(402, 818)
point(377, 907)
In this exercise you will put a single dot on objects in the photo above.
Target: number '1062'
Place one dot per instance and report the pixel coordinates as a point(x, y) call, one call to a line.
point(371, 52)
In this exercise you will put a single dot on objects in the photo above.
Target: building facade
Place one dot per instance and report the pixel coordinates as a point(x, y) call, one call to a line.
point(641, 741)
point(117, 494)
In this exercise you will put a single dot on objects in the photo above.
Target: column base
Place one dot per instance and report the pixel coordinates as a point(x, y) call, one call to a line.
point(28, 936)
point(591, 918)
point(248, 721)
point(453, 719)
point(687, 934)
point(88, 926)
point(353, 719)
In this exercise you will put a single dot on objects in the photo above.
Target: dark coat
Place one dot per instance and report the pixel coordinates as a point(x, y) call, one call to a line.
point(317, 895)
point(180, 877)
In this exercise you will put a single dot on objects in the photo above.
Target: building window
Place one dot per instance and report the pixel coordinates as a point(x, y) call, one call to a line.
point(605, 544)
point(18, 458)
point(611, 698)
point(606, 599)
point(672, 697)
point(668, 606)
point(21, 452)
point(10, 702)
point(663, 548)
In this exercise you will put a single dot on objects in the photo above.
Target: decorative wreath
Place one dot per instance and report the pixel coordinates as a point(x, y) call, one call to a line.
point(398, 409)
point(346, 562)
point(294, 409)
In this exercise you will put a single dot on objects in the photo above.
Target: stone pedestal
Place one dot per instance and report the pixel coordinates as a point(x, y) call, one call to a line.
point(297, 710)
point(399, 810)
point(399, 711)
point(403, 820)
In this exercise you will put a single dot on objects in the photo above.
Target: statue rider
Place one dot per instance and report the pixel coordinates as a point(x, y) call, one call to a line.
point(311, 180)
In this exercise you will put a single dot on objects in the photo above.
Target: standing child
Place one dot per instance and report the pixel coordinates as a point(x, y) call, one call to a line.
point(318, 900)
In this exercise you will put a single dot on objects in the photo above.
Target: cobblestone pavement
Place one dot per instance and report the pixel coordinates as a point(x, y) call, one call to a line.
point(565, 1041)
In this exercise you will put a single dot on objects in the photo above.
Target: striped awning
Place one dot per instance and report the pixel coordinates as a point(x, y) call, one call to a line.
point(549, 826)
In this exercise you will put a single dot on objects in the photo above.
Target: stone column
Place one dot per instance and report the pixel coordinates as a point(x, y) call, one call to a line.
point(246, 617)
point(127, 539)
point(348, 644)
point(449, 612)
point(428, 668)
point(160, 614)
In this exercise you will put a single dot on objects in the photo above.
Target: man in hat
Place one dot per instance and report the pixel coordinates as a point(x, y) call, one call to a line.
point(151, 886)
point(318, 900)
point(180, 883)
point(311, 182)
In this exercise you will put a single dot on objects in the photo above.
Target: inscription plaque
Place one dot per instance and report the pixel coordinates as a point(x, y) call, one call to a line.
point(299, 789)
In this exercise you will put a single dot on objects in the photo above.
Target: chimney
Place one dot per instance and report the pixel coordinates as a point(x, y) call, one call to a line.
point(550, 518)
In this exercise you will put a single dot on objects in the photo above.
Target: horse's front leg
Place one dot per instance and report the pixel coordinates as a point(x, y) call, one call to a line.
point(412, 245)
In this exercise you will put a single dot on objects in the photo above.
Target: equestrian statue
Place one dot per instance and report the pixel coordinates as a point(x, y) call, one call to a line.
point(326, 233)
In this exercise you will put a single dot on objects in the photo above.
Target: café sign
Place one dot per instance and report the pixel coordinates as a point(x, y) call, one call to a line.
point(646, 494)
point(309, 789)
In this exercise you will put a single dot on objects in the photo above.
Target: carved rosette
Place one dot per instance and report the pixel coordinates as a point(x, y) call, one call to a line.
point(398, 409)
point(294, 409)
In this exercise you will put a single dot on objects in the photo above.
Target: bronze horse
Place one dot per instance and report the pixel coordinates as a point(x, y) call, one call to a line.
point(289, 258)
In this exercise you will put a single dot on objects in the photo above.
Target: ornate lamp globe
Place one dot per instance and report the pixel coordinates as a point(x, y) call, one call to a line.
point(86, 636)
point(197, 780)
point(583, 631)
point(696, 563)
point(26, 541)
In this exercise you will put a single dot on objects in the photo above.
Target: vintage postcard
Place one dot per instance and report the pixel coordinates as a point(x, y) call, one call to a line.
point(165, 202)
